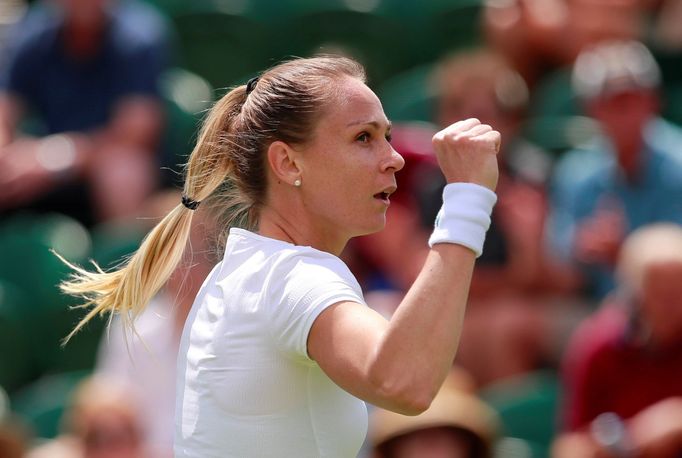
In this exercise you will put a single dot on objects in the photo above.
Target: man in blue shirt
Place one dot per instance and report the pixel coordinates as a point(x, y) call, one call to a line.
point(88, 71)
point(629, 176)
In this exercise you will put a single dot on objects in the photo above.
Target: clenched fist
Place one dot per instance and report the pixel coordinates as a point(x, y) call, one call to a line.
point(467, 153)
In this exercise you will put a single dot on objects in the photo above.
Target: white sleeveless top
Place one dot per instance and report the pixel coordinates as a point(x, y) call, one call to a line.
point(246, 385)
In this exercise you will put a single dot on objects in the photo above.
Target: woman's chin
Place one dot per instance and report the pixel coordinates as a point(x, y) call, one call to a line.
point(373, 228)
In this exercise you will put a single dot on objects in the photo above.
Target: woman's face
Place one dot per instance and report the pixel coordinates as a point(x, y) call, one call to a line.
point(348, 167)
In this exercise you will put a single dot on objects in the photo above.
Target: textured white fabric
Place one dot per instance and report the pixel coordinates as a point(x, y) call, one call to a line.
point(464, 217)
point(246, 385)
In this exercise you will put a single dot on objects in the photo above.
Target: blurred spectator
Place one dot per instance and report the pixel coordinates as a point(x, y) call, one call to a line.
point(532, 33)
point(629, 176)
point(102, 422)
point(87, 71)
point(145, 360)
point(10, 12)
point(623, 369)
point(457, 425)
point(527, 33)
point(593, 21)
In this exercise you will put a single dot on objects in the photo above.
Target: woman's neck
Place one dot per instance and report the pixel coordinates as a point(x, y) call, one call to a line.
point(298, 230)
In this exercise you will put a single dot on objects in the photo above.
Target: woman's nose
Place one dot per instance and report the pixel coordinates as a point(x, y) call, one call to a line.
point(395, 162)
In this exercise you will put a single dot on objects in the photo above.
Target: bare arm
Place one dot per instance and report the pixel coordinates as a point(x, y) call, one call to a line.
point(118, 156)
point(654, 432)
point(401, 364)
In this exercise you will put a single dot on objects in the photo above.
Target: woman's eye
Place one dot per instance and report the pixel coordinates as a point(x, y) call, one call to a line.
point(363, 137)
point(389, 137)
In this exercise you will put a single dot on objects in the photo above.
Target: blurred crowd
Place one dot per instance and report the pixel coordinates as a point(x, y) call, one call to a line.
point(572, 345)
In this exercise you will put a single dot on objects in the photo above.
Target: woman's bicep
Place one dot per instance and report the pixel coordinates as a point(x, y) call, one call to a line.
point(343, 341)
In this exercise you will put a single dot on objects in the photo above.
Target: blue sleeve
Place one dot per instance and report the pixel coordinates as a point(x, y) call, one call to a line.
point(670, 191)
point(562, 217)
point(144, 69)
point(18, 68)
point(144, 38)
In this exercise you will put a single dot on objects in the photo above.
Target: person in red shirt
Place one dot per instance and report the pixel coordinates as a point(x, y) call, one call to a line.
point(623, 368)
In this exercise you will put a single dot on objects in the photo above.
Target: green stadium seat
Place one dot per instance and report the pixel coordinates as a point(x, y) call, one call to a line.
point(340, 28)
point(527, 405)
point(17, 365)
point(186, 96)
point(26, 242)
point(553, 96)
point(408, 96)
point(434, 28)
point(672, 103)
point(223, 48)
point(556, 134)
point(113, 242)
point(42, 403)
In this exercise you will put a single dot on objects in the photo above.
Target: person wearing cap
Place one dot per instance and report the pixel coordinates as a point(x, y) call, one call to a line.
point(629, 175)
point(457, 425)
point(622, 370)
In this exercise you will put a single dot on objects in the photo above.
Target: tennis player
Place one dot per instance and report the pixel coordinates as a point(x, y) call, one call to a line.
point(280, 352)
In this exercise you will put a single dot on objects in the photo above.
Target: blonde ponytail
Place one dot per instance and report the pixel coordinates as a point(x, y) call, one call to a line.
point(128, 289)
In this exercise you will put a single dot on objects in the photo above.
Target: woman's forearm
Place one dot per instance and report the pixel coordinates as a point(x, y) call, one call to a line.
point(417, 349)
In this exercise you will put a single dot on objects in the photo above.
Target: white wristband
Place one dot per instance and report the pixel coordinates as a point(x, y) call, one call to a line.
point(464, 217)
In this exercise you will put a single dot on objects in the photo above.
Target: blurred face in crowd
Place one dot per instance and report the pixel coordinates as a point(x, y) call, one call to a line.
point(593, 21)
point(662, 302)
point(431, 443)
point(111, 435)
point(470, 99)
point(481, 87)
point(623, 116)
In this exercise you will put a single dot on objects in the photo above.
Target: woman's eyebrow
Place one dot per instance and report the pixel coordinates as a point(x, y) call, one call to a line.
point(375, 124)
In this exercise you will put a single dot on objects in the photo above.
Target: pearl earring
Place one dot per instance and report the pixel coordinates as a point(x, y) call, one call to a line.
point(297, 183)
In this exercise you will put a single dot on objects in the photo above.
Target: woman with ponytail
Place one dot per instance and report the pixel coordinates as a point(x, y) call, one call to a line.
point(279, 350)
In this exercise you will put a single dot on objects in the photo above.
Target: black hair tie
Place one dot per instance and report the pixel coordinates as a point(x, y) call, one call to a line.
point(251, 85)
point(190, 203)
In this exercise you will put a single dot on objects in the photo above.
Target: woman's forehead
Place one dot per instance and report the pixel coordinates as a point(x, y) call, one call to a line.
point(356, 104)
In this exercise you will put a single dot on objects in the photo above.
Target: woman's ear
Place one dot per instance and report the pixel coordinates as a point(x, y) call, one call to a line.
point(283, 162)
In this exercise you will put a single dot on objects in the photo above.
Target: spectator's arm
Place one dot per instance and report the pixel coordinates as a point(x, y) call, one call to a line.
point(657, 430)
point(577, 445)
point(136, 124)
